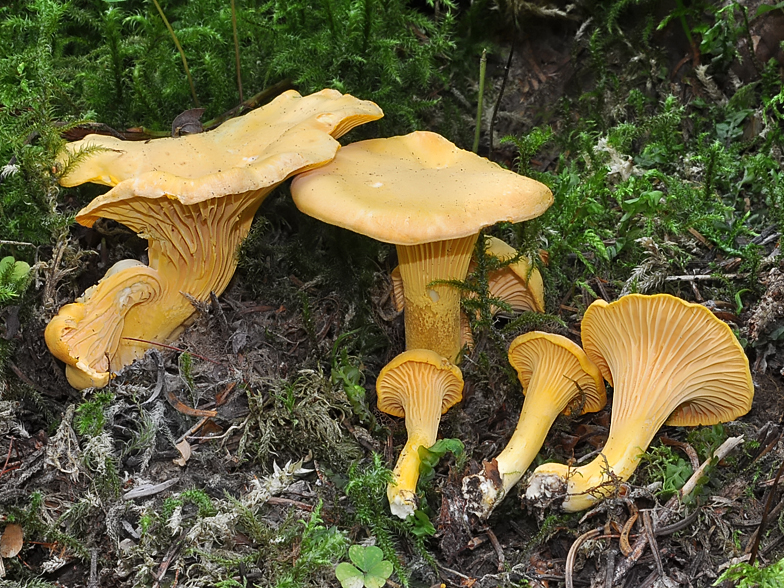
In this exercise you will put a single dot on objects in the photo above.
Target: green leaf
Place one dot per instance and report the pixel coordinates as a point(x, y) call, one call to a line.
point(365, 557)
point(349, 576)
point(768, 8)
point(373, 568)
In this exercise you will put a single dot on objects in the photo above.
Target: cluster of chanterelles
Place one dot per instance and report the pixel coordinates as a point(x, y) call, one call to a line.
point(194, 197)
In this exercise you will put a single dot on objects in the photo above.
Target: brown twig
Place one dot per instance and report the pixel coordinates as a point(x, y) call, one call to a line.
point(7, 457)
point(647, 524)
point(764, 521)
point(569, 569)
point(172, 348)
point(289, 502)
point(498, 549)
point(498, 100)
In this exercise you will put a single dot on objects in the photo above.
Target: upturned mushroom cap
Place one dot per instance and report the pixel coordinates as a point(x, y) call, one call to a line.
point(419, 385)
point(193, 198)
point(245, 153)
point(429, 198)
point(556, 376)
point(669, 361)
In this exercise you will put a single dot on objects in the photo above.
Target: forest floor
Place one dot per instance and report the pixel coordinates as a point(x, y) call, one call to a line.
point(236, 457)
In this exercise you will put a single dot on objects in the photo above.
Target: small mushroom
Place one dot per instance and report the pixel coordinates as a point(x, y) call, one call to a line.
point(193, 198)
point(430, 199)
point(557, 377)
point(419, 385)
point(669, 361)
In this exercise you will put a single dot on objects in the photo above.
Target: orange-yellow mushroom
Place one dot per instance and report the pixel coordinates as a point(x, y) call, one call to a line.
point(669, 361)
point(430, 199)
point(419, 385)
point(557, 377)
point(193, 198)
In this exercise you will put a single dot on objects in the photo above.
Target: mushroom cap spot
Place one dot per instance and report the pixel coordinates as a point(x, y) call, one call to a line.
point(414, 189)
point(556, 354)
point(676, 346)
point(415, 372)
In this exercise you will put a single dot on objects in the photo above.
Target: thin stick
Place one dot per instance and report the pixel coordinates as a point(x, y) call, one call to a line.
point(172, 348)
point(478, 129)
point(764, 521)
point(569, 570)
point(20, 243)
point(500, 95)
point(236, 49)
point(182, 53)
point(705, 277)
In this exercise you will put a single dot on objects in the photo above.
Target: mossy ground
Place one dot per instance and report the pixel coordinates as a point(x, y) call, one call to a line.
point(665, 158)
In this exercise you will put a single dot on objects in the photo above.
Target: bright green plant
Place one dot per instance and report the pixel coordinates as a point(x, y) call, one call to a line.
point(13, 278)
point(370, 569)
point(752, 576)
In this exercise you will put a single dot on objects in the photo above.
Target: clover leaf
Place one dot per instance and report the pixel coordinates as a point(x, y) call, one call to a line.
point(371, 570)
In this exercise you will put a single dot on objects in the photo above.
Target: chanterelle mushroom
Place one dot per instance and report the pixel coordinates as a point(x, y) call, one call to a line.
point(193, 198)
point(669, 361)
point(430, 199)
point(556, 377)
point(419, 385)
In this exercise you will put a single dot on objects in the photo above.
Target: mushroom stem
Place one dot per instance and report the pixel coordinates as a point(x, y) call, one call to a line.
point(538, 415)
point(432, 311)
point(586, 485)
point(401, 492)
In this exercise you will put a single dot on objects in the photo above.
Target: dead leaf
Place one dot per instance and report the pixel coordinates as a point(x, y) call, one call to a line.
point(11, 541)
point(185, 453)
point(187, 123)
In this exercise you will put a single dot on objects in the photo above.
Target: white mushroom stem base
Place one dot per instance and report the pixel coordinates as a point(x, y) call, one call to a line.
point(482, 491)
point(432, 311)
point(583, 487)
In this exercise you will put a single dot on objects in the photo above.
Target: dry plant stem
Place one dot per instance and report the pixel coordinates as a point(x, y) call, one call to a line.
point(764, 521)
point(236, 48)
point(19, 243)
point(648, 525)
point(669, 509)
point(497, 547)
point(173, 348)
point(182, 53)
point(705, 277)
point(478, 128)
point(569, 569)
point(498, 100)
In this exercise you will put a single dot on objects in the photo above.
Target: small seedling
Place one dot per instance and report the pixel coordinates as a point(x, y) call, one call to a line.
point(371, 570)
point(13, 278)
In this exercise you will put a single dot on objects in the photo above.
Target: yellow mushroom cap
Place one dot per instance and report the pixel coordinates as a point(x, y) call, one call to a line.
point(417, 188)
point(244, 153)
point(406, 379)
point(683, 348)
point(565, 365)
